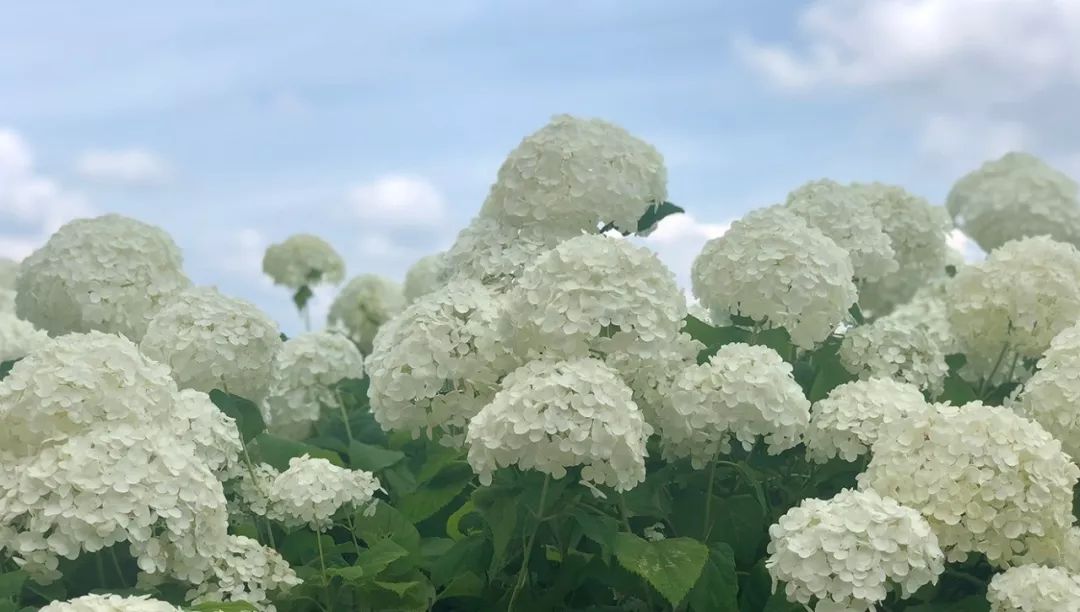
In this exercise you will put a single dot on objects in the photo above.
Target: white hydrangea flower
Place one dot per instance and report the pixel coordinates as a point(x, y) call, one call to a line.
point(774, 268)
point(578, 173)
point(901, 349)
point(848, 552)
point(214, 433)
point(842, 214)
point(651, 372)
point(1058, 550)
point(302, 379)
point(987, 479)
point(917, 231)
point(1019, 298)
point(9, 268)
point(110, 603)
point(18, 337)
point(245, 571)
point(847, 422)
point(742, 392)
point(303, 260)
point(551, 415)
point(1064, 350)
point(309, 493)
point(364, 304)
point(108, 274)
point(424, 276)
point(1051, 396)
point(212, 341)
point(595, 295)
point(1034, 588)
point(1015, 196)
point(7, 301)
point(496, 254)
point(435, 365)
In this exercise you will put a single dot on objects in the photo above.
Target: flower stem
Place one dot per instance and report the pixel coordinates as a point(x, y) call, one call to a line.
point(524, 571)
point(707, 527)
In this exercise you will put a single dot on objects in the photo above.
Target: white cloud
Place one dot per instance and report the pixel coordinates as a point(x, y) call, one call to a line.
point(245, 258)
point(964, 142)
point(398, 201)
point(122, 167)
point(32, 206)
point(678, 240)
point(959, 241)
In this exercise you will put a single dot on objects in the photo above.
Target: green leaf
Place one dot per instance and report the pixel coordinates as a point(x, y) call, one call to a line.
point(436, 494)
point(5, 368)
point(372, 458)
point(974, 603)
point(600, 529)
point(717, 590)
point(502, 519)
point(671, 566)
point(247, 415)
point(957, 391)
point(857, 314)
point(387, 523)
point(739, 521)
point(778, 602)
point(830, 375)
point(371, 562)
point(301, 297)
point(656, 213)
point(11, 584)
point(228, 606)
point(470, 552)
point(465, 584)
point(278, 451)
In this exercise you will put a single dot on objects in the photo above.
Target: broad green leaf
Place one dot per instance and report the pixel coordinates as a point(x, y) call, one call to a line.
point(301, 297)
point(656, 213)
point(439, 458)
point(248, 418)
point(387, 523)
point(600, 529)
point(957, 391)
point(717, 590)
point(372, 458)
point(465, 584)
point(371, 562)
point(974, 603)
point(739, 521)
point(435, 494)
point(502, 520)
point(453, 524)
point(671, 566)
point(278, 451)
point(471, 552)
point(830, 375)
point(5, 368)
point(11, 584)
point(778, 602)
point(857, 314)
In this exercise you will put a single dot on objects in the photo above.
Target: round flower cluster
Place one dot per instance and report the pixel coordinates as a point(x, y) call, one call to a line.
point(988, 480)
point(552, 415)
point(775, 269)
point(424, 276)
point(742, 392)
point(917, 231)
point(245, 571)
point(1018, 299)
point(7, 301)
point(1016, 196)
point(9, 269)
point(211, 431)
point(847, 422)
point(302, 379)
point(309, 493)
point(110, 603)
point(1051, 395)
point(897, 347)
point(594, 295)
point(577, 174)
point(1034, 588)
point(364, 304)
point(496, 254)
point(108, 274)
point(303, 260)
point(212, 341)
point(848, 552)
point(650, 372)
point(18, 337)
point(436, 364)
point(841, 213)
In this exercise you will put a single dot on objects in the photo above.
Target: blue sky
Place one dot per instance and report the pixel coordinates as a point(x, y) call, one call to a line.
point(380, 125)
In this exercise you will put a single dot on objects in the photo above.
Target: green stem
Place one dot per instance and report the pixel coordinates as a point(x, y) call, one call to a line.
point(624, 514)
point(116, 564)
point(100, 570)
point(524, 571)
point(250, 465)
point(344, 416)
point(759, 492)
point(707, 527)
point(993, 371)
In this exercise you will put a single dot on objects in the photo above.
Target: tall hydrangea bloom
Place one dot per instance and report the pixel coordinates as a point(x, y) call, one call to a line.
point(1019, 298)
point(848, 552)
point(1034, 588)
point(435, 365)
point(309, 493)
point(743, 392)
point(8, 270)
point(496, 254)
point(552, 415)
point(988, 480)
point(110, 603)
point(213, 433)
point(901, 348)
point(303, 260)
point(18, 337)
point(774, 268)
point(212, 341)
point(595, 295)
point(364, 304)
point(651, 372)
point(302, 379)
point(841, 213)
point(1015, 196)
point(424, 276)
point(578, 173)
point(847, 422)
point(245, 571)
point(1051, 396)
point(108, 274)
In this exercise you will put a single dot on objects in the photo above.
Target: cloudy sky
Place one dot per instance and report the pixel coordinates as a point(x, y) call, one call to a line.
point(380, 125)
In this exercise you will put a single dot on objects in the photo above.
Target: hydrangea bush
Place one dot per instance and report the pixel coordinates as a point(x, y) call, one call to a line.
point(847, 418)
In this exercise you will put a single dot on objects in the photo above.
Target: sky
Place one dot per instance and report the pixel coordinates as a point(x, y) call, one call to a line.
point(380, 125)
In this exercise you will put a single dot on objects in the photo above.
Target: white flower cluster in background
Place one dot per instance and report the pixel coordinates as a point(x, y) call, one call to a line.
point(743, 392)
point(988, 480)
point(1051, 396)
point(110, 603)
point(211, 431)
point(554, 415)
point(847, 422)
point(364, 304)
point(1015, 196)
point(1034, 588)
point(245, 571)
point(110, 274)
point(1019, 298)
point(303, 376)
point(303, 260)
point(435, 365)
point(772, 267)
point(309, 493)
point(18, 337)
point(9, 269)
point(7, 301)
point(848, 552)
point(212, 341)
point(496, 254)
point(424, 276)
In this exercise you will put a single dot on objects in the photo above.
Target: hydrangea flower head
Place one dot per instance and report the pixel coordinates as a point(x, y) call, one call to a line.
point(110, 603)
point(1034, 588)
point(424, 276)
point(847, 422)
point(1051, 396)
point(364, 304)
point(303, 260)
point(496, 254)
point(18, 337)
point(9, 268)
point(245, 571)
